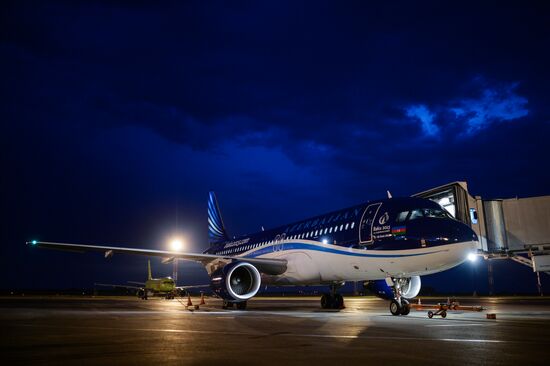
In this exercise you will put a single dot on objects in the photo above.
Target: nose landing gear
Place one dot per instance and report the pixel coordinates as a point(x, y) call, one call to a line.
point(399, 305)
point(402, 308)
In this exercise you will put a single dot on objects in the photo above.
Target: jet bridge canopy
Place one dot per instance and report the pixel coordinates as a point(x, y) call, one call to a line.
point(504, 226)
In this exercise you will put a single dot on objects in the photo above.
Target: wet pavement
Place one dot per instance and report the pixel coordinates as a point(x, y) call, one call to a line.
point(272, 331)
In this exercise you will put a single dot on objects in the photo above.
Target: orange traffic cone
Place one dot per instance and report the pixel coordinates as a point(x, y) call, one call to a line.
point(202, 299)
point(189, 303)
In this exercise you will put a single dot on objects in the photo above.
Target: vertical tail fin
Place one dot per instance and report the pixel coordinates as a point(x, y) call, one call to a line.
point(216, 229)
point(149, 275)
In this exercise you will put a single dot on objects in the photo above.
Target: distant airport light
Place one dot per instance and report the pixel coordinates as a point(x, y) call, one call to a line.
point(33, 242)
point(472, 257)
point(176, 245)
point(325, 241)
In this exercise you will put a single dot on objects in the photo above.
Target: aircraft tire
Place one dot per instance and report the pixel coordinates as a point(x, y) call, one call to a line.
point(395, 308)
point(326, 301)
point(338, 302)
point(430, 314)
point(406, 308)
point(444, 314)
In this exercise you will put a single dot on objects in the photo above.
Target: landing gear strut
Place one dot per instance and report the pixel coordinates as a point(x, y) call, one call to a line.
point(399, 305)
point(229, 305)
point(333, 300)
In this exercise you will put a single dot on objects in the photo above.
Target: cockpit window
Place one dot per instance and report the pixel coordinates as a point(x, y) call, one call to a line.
point(435, 212)
point(428, 212)
point(402, 216)
point(415, 214)
point(421, 212)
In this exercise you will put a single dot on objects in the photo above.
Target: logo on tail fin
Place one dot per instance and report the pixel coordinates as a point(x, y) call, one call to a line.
point(216, 229)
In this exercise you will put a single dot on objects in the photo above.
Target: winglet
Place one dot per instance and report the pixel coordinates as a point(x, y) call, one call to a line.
point(389, 194)
point(216, 229)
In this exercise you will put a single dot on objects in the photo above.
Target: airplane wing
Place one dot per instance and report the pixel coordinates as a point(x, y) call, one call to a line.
point(137, 283)
point(192, 286)
point(266, 265)
point(120, 286)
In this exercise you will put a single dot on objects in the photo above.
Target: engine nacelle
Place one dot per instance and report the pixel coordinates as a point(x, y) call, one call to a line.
point(410, 287)
point(238, 281)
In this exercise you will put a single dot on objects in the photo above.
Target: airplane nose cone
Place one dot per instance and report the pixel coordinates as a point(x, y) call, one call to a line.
point(441, 231)
point(455, 231)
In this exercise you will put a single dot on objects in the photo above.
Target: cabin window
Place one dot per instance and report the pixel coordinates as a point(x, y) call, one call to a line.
point(330, 230)
point(347, 226)
point(341, 227)
point(316, 232)
point(326, 230)
point(352, 224)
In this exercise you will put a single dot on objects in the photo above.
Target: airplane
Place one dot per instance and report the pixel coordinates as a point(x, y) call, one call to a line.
point(164, 286)
point(388, 244)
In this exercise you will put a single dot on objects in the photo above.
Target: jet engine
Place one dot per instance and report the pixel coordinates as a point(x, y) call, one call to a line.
point(410, 287)
point(236, 282)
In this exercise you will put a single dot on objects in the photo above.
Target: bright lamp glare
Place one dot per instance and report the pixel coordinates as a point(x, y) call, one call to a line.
point(176, 245)
point(325, 241)
point(472, 257)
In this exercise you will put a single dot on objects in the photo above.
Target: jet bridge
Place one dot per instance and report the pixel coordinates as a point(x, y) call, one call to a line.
point(515, 228)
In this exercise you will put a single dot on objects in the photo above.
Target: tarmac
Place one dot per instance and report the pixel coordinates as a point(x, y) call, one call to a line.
point(272, 331)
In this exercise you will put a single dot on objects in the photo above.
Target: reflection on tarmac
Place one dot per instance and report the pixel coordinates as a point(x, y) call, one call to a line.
point(272, 331)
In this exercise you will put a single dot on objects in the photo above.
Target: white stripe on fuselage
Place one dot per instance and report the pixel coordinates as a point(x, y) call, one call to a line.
point(312, 262)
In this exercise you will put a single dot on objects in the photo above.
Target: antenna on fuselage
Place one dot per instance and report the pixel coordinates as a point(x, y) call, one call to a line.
point(389, 194)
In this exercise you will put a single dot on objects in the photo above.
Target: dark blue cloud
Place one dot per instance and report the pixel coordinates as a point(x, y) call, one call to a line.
point(493, 106)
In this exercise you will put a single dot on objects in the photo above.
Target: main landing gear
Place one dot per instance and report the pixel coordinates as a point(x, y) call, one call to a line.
point(229, 305)
point(142, 294)
point(333, 300)
point(399, 305)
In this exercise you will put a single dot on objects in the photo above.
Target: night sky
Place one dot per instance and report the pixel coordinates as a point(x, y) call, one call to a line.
point(118, 117)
